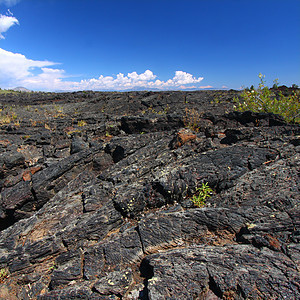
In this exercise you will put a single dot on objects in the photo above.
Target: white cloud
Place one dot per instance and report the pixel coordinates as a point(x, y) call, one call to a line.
point(5, 23)
point(47, 80)
point(147, 75)
point(16, 67)
point(205, 87)
point(138, 81)
point(185, 78)
point(17, 70)
point(9, 2)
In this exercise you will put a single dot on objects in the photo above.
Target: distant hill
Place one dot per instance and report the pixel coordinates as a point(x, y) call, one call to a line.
point(21, 89)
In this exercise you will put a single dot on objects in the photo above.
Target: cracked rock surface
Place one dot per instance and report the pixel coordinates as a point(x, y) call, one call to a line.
point(96, 189)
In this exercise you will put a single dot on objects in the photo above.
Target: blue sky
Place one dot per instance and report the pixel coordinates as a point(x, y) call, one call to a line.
point(142, 44)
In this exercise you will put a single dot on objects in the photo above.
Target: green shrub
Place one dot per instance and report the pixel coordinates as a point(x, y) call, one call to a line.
point(4, 273)
point(263, 100)
point(202, 193)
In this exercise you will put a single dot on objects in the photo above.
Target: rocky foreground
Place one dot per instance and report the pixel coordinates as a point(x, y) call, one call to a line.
point(96, 195)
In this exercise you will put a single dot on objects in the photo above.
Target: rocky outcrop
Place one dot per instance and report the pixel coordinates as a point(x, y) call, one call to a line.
point(96, 198)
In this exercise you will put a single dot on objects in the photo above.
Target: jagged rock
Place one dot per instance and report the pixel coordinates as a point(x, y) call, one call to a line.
point(102, 209)
point(101, 161)
point(114, 284)
point(134, 124)
point(230, 272)
point(12, 160)
point(78, 145)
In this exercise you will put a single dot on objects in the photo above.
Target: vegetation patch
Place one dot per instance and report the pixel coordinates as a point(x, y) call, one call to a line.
point(262, 99)
point(202, 193)
point(81, 123)
point(4, 273)
point(192, 119)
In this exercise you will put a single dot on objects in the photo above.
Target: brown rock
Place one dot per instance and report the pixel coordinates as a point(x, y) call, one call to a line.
point(182, 137)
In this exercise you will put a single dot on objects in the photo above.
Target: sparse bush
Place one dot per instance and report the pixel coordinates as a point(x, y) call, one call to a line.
point(275, 85)
point(58, 108)
point(3, 274)
point(33, 123)
point(5, 119)
point(8, 117)
point(202, 193)
point(263, 100)
point(70, 132)
point(81, 123)
point(192, 119)
point(47, 126)
point(14, 116)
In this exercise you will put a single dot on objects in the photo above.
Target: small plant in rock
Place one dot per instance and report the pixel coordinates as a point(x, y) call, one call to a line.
point(202, 193)
point(217, 98)
point(4, 119)
point(33, 123)
point(47, 126)
point(56, 111)
point(166, 109)
point(14, 116)
point(3, 274)
point(8, 118)
point(73, 131)
point(151, 109)
point(192, 119)
point(52, 266)
point(17, 123)
point(265, 101)
point(58, 108)
point(81, 123)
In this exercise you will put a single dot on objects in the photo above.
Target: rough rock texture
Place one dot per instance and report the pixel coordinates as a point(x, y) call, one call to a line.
point(96, 188)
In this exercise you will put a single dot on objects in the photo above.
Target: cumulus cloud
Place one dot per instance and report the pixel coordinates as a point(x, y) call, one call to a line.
point(47, 80)
point(134, 80)
point(185, 78)
point(18, 70)
point(6, 21)
point(15, 66)
point(147, 75)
